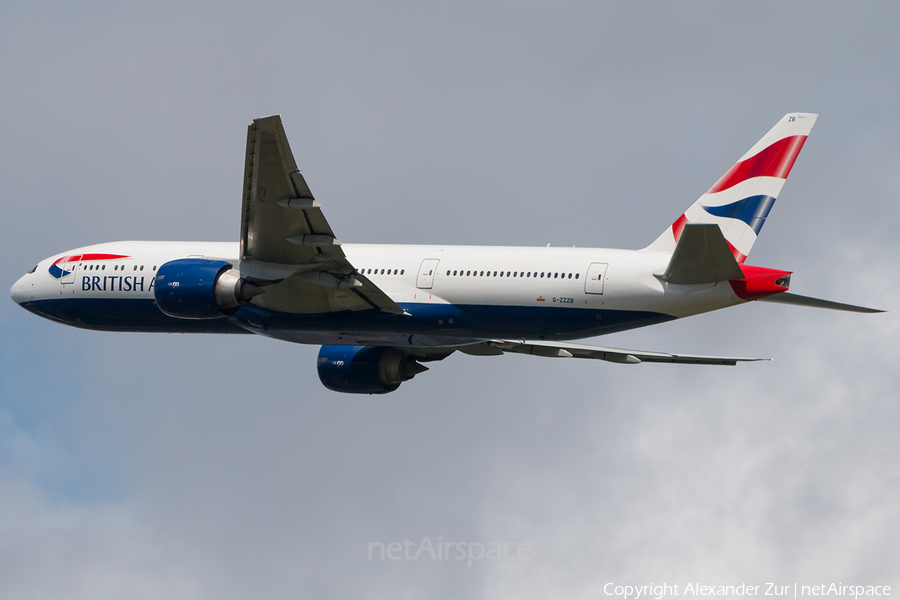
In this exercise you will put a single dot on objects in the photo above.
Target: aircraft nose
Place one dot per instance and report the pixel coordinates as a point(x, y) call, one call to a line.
point(21, 290)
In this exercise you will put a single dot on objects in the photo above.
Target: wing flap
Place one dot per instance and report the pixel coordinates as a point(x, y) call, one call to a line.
point(615, 355)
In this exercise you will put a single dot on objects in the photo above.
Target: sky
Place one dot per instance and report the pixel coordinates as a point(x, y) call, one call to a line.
point(192, 466)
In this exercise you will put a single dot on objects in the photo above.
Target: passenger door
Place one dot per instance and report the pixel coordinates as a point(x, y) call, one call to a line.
point(425, 278)
point(593, 283)
point(68, 268)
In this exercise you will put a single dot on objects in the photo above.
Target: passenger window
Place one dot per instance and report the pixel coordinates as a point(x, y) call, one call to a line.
point(556, 276)
point(382, 271)
point(448, 272)
point(395, 271)
point(482, 274)
point(468, 273)
point(402, 271)
point(542, 274)
point(576, 275)
point(515, 273)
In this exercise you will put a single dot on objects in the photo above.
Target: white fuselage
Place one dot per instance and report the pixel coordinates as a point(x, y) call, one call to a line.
point(518, 292)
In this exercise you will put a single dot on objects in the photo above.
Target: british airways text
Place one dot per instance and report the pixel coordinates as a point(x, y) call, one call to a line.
point(115, 283)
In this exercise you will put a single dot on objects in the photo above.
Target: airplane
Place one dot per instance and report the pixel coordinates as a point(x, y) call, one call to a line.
point(381, 311)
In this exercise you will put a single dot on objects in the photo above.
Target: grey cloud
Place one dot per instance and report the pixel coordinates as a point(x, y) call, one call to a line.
point(191, 466)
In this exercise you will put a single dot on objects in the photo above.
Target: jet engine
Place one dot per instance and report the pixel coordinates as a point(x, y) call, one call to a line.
point(365, 369)
point(199, 288)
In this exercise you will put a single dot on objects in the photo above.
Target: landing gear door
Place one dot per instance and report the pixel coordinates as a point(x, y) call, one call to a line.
point(593, 283)
point(425, 278)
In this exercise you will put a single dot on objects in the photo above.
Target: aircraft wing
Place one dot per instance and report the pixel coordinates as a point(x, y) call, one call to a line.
point(616, 355)
point(287, 244)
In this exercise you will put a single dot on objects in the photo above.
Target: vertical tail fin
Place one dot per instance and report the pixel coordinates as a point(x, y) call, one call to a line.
point(741, 199)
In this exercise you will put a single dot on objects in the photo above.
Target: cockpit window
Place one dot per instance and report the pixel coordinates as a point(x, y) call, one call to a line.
point(33, 269)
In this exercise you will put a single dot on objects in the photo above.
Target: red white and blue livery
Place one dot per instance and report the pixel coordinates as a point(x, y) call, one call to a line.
point(380, 311)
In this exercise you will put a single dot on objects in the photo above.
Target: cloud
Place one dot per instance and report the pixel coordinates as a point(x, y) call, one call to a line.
point(200, 466)
point(52, 551)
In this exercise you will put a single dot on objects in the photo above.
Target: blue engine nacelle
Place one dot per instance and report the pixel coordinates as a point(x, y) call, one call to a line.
point(365, 369)
point(198, 288)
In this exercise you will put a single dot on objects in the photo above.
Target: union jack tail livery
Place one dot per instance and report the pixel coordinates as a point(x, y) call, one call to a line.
point(741, 199)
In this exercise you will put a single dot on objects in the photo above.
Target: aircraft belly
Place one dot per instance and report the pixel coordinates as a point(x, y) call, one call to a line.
point(118, 314)
point(442, 324)
point(425, 324)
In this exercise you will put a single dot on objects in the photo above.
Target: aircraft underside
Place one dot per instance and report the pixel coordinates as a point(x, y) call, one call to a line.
point(425, 324)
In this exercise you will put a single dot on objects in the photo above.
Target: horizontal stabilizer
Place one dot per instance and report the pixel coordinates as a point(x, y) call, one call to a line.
point(788, 298)
point(615, 355)
point(702, 256)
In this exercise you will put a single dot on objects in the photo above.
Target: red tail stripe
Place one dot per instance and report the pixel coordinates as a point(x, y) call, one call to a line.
point(678, 226)
point(738, 255)
point(774, 161)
